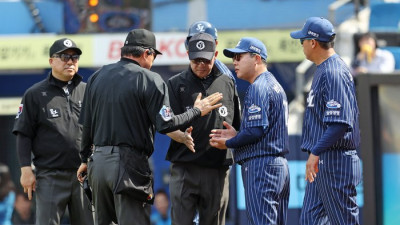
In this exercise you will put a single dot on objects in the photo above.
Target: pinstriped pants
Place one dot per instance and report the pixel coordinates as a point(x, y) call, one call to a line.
point(266, 184)
point(331, 198)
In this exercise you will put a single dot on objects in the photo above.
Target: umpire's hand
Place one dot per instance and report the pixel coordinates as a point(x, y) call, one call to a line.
point(81, 171)
point(208, 104)
point(28, 180)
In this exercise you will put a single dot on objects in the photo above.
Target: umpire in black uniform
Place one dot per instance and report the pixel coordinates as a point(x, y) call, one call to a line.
point(200, 180)
point(125, 103)
point(47, 126)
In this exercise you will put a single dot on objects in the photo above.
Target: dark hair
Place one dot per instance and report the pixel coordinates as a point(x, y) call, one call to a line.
point(6, 184)
point(135, 51)
point(329, 44)
point(370, 35)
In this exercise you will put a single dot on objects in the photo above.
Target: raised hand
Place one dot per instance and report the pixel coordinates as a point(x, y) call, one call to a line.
point(208, 104)
point(219, 136)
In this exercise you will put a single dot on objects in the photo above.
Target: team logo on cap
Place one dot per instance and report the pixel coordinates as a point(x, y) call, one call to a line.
point(238, 43)
point(200, 45)
point(200, 27)
point(68, 43)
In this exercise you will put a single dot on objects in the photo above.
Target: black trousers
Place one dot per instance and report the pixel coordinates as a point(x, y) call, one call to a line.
point(198, 189)
point(55, 191)
point(103, 168)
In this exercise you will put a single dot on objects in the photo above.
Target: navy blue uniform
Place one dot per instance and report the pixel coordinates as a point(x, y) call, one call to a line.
point(265, 171)
point(331, 199)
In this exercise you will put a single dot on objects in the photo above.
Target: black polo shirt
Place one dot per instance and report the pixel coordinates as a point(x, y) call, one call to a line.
point(183, 89)
point(48, 116)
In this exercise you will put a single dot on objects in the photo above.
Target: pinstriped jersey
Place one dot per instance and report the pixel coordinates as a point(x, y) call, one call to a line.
point(265, 104)
point(222, 67)
point(332, 99)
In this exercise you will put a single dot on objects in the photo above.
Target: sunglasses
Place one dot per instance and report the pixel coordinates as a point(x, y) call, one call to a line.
point(238, 56)
point(200, 60)
point(152, 52)
point(303, 39)
point(66, 57)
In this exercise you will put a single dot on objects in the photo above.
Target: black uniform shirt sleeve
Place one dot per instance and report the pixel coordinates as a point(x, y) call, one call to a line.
point(25, 121)
point(86, 120)
point(24, 149)
point(159, 105)
point(176, 106)
point(24, 127)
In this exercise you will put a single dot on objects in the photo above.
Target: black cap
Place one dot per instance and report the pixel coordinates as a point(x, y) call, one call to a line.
point(142, 38)
point(202, 45)
point(62, 45)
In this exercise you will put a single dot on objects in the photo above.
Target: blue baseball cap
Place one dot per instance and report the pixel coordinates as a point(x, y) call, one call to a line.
point(317, 28)
point(247, 44)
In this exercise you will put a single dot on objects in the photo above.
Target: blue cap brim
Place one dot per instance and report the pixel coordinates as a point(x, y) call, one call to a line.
point(230, 52)
point(297, 34)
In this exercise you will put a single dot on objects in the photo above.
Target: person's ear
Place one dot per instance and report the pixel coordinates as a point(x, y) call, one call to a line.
point(313, 43)
point(216, 54)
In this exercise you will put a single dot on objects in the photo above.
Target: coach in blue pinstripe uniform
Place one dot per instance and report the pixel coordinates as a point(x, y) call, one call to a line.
point(262, 141)
point(330, 131)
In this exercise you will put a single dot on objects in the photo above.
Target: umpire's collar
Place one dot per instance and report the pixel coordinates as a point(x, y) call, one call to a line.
point(124, 59)
point(59, 83)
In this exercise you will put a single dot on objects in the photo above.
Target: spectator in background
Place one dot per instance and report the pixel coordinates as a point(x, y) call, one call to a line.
point(7, 195)
point(370, 58)
point(162, 212)
point(23, 213)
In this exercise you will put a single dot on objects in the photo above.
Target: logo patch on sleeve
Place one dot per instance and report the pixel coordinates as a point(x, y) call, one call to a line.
point(20, 108)
point(53, 113)
point(254, 109)
point(223, 111)
point(166, 113)
point(332, 104)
